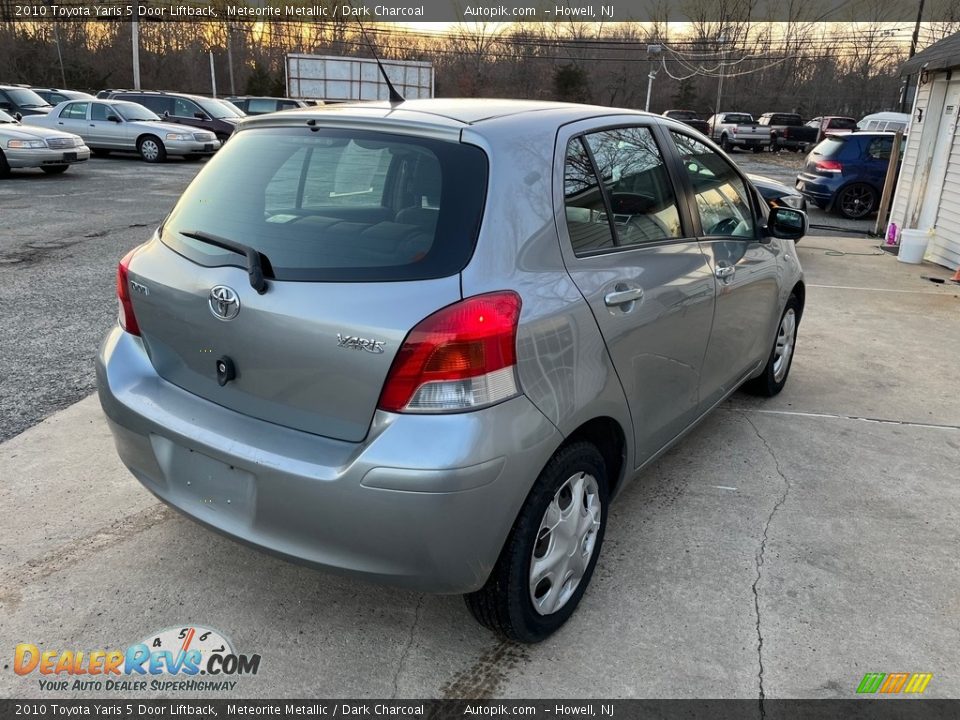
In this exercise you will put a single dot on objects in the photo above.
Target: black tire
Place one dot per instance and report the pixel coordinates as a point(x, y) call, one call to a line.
point(758, 148)
point(773, 143)
point(100, 152)
point(4, 166)
point(151, 149)
point(725, 144)
point(856, 201)
point(54, 169)
point(191, 158)
point(505, 604)
point(770, 382)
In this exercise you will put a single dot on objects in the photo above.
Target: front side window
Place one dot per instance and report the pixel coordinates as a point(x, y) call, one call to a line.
point(637, 203)
point(723, 201)
point(98, 111)
point(184, 108)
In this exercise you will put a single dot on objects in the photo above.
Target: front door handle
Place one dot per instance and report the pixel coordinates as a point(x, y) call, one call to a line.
point(622, 297)
point(724, 271)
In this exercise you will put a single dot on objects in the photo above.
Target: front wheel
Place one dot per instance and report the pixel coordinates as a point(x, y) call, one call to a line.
point(54, 169)
point(775, 372)
point(550, 555)
point(151, 149)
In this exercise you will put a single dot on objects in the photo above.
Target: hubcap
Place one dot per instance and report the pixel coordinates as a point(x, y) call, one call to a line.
point(785, 340)
point(149, 149)
point(565, 543)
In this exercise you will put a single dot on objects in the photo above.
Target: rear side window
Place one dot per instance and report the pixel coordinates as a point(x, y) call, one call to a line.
point(829, 147)
point(74, 111)
point(636, 203)
point(879, 148)
point(337, 205)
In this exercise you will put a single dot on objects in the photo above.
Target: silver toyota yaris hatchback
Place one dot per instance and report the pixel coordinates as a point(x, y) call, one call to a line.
point(427, 343)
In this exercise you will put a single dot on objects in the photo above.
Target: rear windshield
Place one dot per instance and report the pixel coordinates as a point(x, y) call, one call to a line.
point(738, 118)
point(829, 147)
point(843, 123)
point(336, 205)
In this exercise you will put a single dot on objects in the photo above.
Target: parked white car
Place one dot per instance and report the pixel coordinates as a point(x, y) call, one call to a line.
point(108, 125)
point(50, 150)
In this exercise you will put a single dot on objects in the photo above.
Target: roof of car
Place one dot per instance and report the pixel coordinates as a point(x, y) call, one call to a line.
point(446, 111)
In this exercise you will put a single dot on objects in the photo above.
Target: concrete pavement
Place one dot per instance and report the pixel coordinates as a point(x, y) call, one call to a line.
point(787, 546)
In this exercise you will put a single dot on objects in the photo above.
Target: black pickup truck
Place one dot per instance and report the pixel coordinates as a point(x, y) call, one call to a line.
point(689, 117)
point(787, 130)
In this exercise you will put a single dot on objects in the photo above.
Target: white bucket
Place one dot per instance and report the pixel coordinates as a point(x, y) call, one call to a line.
point(913, 246)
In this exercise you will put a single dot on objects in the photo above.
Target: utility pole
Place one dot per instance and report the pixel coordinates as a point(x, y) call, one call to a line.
point(652, 50)
point(213, 74)
point(916, 31)
point(135, 37)
point(723, 60)
point(233, 87)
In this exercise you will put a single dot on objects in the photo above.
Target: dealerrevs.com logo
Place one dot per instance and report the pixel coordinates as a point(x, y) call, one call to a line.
point(196, 658)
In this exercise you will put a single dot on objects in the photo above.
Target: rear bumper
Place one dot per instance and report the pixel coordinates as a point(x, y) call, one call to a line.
point(38, 157)
point(791, 143)
point(748, 142)
point(815, 189)
point(424, 502)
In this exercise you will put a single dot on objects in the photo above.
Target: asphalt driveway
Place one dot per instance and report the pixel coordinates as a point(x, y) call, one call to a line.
point(785, 547)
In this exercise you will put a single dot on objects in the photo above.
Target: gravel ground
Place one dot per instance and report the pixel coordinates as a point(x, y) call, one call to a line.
point(60, 242)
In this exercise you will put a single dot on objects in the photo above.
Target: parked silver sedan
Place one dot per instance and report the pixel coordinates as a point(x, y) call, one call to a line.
point(108, 125)
point(31, 147)
point(427, 343)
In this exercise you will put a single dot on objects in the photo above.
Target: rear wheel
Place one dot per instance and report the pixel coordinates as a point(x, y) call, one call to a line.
point(151, 149)
point(758, 148)
point(551, 553)
point(775, 372)
point(856, 201)
point(54, 169)
point(725, 143)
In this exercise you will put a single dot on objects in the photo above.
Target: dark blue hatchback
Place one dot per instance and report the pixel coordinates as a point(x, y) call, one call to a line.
point(846, 173)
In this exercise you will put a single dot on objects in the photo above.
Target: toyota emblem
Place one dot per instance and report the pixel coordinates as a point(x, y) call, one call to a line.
point(224, 302)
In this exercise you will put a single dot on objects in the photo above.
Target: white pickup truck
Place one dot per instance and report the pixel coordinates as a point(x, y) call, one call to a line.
point(736, 129)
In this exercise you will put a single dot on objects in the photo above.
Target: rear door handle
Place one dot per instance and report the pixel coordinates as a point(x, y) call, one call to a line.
point(622, 297)
point(724, 271)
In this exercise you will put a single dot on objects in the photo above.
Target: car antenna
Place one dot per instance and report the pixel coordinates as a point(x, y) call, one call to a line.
point(395, 97)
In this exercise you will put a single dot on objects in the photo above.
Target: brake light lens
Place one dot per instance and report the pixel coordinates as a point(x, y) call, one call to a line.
point(128, 321)
point(828, 166)
point(462, 357)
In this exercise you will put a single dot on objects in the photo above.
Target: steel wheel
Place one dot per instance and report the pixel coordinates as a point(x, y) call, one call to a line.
point(565, 543)
point(783, 350)
point(856, 201)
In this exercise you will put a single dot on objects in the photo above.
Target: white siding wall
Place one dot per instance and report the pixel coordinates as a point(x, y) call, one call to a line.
point(898, 212)
point(944, 248)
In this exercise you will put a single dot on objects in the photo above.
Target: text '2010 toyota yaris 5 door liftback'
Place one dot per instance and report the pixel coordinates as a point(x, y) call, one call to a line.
point(428, 343)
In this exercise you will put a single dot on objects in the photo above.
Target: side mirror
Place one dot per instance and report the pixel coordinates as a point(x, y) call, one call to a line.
point(113, 118)
point(18, 117)
point(166, 114)
point(787, 223)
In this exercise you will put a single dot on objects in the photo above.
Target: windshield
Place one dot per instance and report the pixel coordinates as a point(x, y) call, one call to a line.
point(219, 110)
point(26, 98)
point(133, 111)
point(4, 118)
point(337, 205)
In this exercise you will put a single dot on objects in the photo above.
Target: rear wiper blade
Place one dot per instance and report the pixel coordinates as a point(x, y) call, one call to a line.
point(255, 259)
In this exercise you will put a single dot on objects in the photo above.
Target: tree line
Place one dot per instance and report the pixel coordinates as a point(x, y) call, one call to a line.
point(805, 67)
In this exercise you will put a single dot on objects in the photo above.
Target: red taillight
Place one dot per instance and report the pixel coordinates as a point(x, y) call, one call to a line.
point(461, 357)
point(830, 166)
point(128, 321)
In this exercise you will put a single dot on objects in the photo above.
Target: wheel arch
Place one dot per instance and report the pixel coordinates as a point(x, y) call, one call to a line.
point(607, 435)
point(800, 290)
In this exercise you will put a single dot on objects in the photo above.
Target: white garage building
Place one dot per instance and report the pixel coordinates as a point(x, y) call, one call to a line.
point(928, 190)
